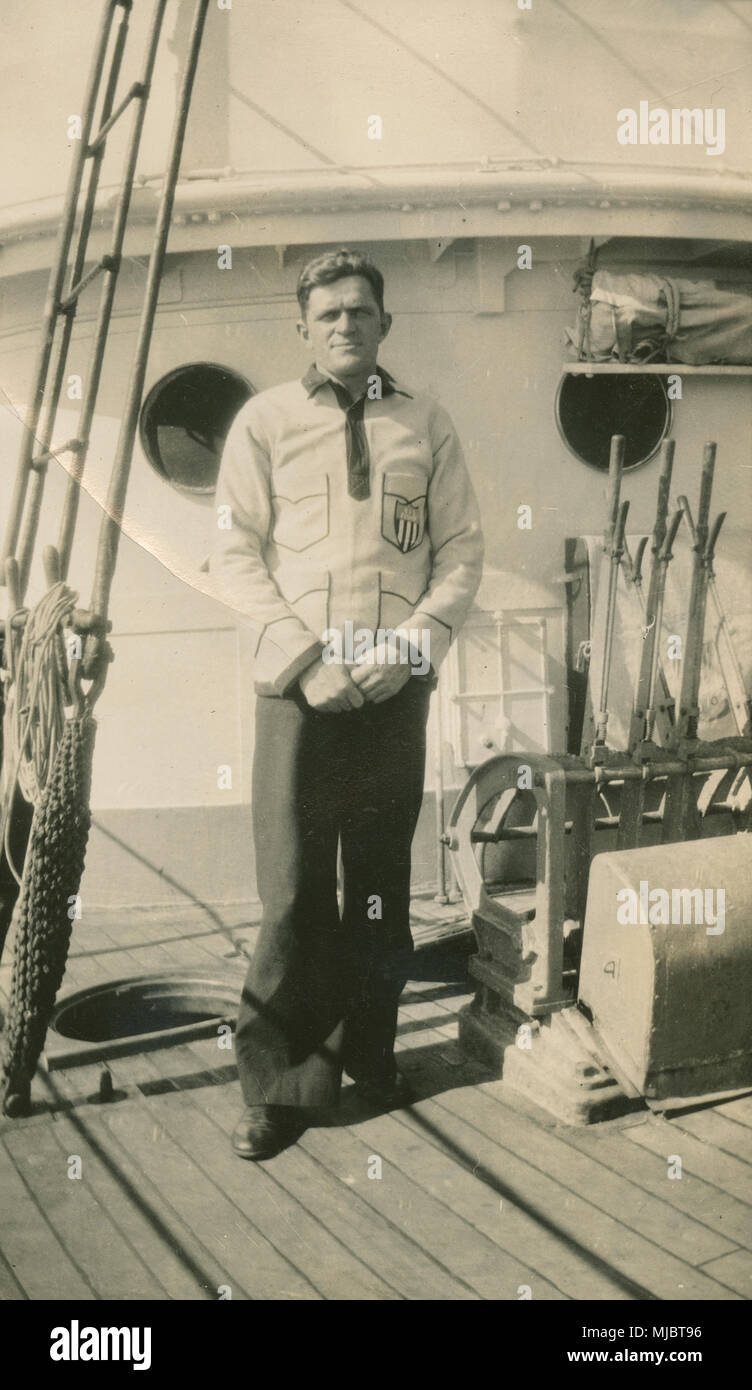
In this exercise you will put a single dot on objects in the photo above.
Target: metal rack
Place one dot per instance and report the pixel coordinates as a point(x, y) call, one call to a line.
point(652, 369)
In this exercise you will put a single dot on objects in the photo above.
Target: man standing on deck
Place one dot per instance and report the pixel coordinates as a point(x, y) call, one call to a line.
point(347, 527)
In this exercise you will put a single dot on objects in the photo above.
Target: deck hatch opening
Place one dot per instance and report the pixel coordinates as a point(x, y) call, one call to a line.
point(138, 1014)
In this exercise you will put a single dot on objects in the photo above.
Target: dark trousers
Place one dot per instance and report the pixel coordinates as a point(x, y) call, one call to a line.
point(322, 989)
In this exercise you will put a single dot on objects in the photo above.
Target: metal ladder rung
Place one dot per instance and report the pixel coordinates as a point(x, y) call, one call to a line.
point(60, 307)
point(138, 92)
point(49, 370)
point(111, 263)
point(73, 446)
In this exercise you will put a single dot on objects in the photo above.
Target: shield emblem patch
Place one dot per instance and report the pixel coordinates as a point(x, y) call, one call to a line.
point(408, 523)
point(403, 520)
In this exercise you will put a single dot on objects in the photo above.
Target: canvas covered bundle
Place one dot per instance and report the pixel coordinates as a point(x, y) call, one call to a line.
point(645, 317)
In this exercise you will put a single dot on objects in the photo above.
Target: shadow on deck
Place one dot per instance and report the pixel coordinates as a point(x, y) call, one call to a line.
point(470, 1193)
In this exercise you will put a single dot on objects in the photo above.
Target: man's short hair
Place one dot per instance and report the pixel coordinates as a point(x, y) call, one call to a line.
point(336, 265)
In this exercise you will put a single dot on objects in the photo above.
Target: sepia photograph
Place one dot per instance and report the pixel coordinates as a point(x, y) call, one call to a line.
point(376, 663)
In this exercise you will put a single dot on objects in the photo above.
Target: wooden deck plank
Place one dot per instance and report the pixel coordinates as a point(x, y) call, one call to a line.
point(84, 971)
point(82, 1225)
point(180, 1070)
point(113, 954)
point(402, 1142)
point(719, 1131)
point(697, 1156)
point(734, 1270)
point(444, 1050)
point(469, 1254)
point(10, 1289)
point(148, 959)
point(388, 1248)
point(445, 1062)
point(415, 1031)
point(132, 930)
point(80, 1085)
point(293, 1228)
point(420, 1017)
point(186, 952)
point(139, 958)
point(129, 1212)
point(450, 996)
point(394, 1256)
point(124, 1160)
point(611, 1191)
point(157, 958)
point(430, 1228)
point(514, 1156)
point(422, 1009)
point(112, 965)
point(31, 1248)
point(223, 953)
point(525, 1228)
point(195, 1196)
point(450, 1030)
point(175, 917)
point(204, 1054)
point(512, 1225)
point(198, 946)
point(739, 1110)
point(691, 1197)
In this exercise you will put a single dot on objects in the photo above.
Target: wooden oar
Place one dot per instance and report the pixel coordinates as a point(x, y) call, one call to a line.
point(681, 815)
point(613, 545)
point(633, 793)
point(731, 671)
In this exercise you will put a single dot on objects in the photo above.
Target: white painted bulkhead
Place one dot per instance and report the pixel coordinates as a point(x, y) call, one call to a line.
point(484, 337)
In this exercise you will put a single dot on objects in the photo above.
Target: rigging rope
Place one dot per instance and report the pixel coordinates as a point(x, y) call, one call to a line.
point(37, 692)
point(49, 757)
point(43, 918)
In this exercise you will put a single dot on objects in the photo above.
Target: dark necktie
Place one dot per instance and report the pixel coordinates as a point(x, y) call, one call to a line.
point(358, 463)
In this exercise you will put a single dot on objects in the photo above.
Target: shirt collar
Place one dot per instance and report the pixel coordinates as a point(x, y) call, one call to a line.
point(314, 380)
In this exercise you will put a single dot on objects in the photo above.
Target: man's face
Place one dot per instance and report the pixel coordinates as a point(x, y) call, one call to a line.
point(344, 327)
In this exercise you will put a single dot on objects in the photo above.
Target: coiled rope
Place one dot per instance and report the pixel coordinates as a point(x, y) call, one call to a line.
point(49, 757)
point(37, 692)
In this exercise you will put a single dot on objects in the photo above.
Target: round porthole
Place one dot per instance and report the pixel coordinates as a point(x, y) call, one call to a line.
point(185, 420)
point(590, 409)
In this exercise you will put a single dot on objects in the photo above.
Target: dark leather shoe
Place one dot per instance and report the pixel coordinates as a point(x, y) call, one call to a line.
point(386, 1095)
point(264, 1130)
